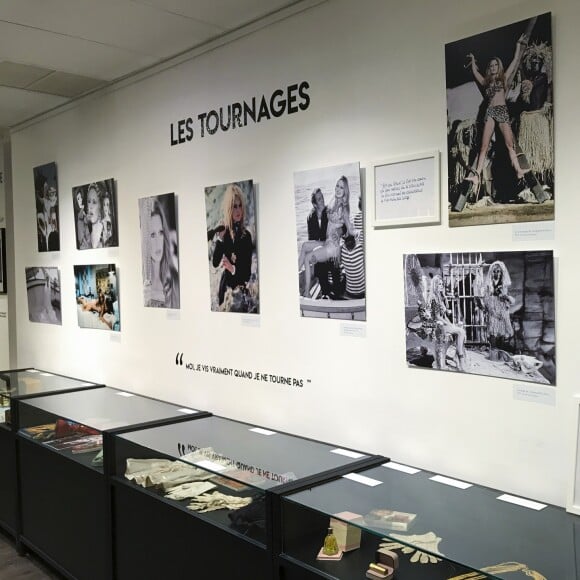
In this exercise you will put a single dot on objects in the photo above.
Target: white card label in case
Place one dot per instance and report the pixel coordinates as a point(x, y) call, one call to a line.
point(205, 464)
point(362, 479)
point(528, 503)
point(123, 394)
point(32, 371)
point(262, 431)
point(347, 453)
point(47, 374)
point(400, 467)
point(186, 411)
point(451, 482)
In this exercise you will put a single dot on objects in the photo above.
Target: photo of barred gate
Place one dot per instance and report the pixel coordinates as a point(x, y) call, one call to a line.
point(487, 313)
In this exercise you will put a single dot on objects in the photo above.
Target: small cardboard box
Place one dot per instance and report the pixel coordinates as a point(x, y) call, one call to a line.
point(347, 535)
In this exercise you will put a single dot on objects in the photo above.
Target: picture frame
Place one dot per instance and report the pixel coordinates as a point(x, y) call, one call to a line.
point(573, 499)
point(406, 190)
point(3, 285)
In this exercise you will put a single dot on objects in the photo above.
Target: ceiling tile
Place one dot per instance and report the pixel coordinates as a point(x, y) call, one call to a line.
point(65, 84)
point(17, 105)
point(37, 47)
point(227, 14)
point(118, 23)
point(17, 75)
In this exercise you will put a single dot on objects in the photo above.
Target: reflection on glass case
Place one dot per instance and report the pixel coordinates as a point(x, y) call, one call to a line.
point(415, 524)
point(221, 472)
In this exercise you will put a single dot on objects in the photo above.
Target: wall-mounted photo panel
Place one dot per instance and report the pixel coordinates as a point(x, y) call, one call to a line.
point(500, 121)
point(47, 220)
point(330, 234)
point(43, 292)
point(232, 247)
point(485, 313)
point(95, 213)
point(97, 296)
point(159, 251)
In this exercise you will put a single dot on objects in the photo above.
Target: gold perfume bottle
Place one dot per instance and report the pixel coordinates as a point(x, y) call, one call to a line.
point(330, 547)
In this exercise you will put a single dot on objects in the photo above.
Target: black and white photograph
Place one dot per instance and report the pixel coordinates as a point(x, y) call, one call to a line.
point(159, 251)
point(97, 296)
point(232, 247)
point(95, 214)
point(3, 286)
point(47, 213)
point(330, 236)
point(43, 292)
point(500, 125)
point(484, 313)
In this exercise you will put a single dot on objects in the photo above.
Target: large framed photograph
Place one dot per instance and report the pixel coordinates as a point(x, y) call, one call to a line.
point(47, 211)
point(97, 296)
point(330, 240)
point(3, 286)
point(500, 125)
point(232, 247)
point(95, 213)
point(484, 313)
point(406, 190)
point(159, 251)
point(43, 293)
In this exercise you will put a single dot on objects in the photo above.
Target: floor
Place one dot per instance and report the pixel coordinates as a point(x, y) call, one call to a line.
point(15, 567)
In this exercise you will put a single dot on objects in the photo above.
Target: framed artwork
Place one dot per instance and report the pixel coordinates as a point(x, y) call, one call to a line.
point(484, 313)
point(95, 213)
point(43, 293)
point(330, 242)
point(159, 251)
point(3, 286)
point(406, 191)
point(232, 247)
point(47, 211)
point(97, 296)
point(500, 125)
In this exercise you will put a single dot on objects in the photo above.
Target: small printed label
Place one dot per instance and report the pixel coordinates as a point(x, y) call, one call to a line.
point(187, 411)
point(262, 431)
point(32, 371)
point(347, 453)
point(533, 231)
point(212, 466)
point(353, 330)
point(173, 314)
point(115, 337)
point(535, 394)
point(47, 374)
point(527, 503)
point(362, 479)
point(87, 384)
point(253, 321)
point(400, 467)
point(451, 482)
point(124, 394)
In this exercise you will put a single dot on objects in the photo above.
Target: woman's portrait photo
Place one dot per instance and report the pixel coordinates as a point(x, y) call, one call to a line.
point(43, 293)
point(500, 119)
point(232, 247)
point(484, 313)
point(97, 296)
point(95, 213)
point(330, 235)
point(47, 220)
point(159, 251)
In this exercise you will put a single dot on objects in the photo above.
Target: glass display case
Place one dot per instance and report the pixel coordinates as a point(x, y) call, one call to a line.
point(64, 442)
point(16, 385)
point(436, 528)
point(214, 483)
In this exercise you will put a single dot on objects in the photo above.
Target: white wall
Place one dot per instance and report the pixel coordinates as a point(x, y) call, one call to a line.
point(377, 79)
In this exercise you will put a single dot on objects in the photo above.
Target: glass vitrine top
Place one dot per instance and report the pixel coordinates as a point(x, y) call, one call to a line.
point(29, 382)
point(260, 457)
point(470, 526)
point(107, 408)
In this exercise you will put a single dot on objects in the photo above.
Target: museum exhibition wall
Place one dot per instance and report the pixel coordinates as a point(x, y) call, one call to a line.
point(335, 86)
